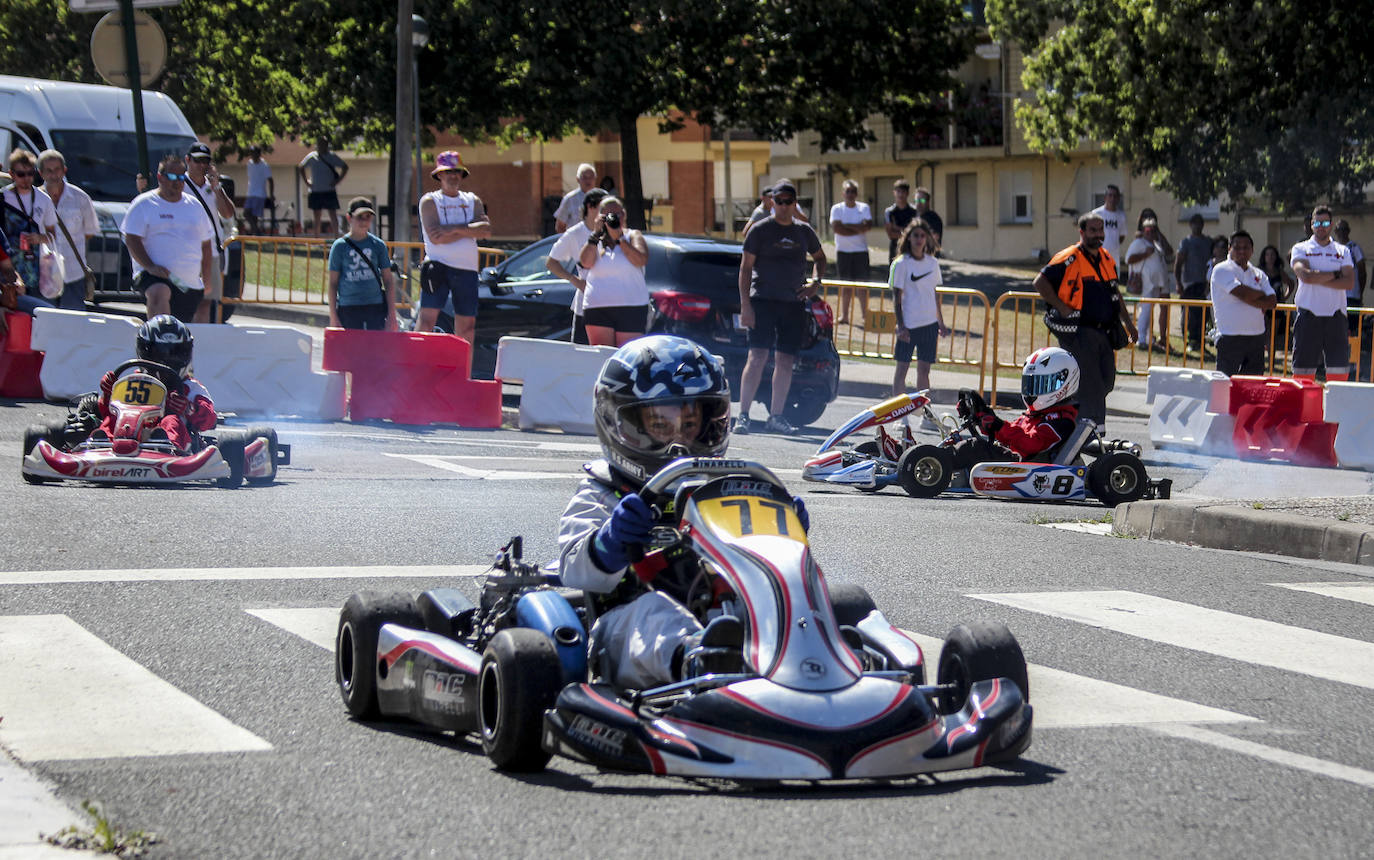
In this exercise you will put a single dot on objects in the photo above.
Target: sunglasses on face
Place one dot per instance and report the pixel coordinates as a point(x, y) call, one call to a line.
point(784, 201)
point(175, 177)
point(1323, 223)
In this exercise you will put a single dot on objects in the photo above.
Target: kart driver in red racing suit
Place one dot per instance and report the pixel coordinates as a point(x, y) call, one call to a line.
point(658, 398)
point(166, 340)
point(1049, 380)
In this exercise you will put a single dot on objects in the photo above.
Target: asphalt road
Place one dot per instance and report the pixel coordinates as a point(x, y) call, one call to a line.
point(1189, 702)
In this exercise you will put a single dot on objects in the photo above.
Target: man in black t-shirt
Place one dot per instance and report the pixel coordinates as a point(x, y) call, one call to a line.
point(897, 216)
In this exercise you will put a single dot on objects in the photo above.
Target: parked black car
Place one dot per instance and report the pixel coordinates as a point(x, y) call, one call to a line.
point(693, 282)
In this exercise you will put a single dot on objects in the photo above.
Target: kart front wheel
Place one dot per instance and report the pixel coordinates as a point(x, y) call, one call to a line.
point(262, 431)
point(872, 450)
point(852, 603)
point(1117, 478)
point(53, 433)
point(231, 444)
point(520, 679)
point(355, 645)
point(977, 652)
point(925, 471)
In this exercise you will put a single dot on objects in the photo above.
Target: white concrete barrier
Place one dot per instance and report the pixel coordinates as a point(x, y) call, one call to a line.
point(1181, 414)
point(265, 370)
point(78, 348)
point(1350, 406)
point(557, 379)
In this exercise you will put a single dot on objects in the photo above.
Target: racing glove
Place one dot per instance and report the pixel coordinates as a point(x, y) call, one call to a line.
point(990, 424)
point(177, 404)
point(801, 513)
point(631, 523)
point(107, 384)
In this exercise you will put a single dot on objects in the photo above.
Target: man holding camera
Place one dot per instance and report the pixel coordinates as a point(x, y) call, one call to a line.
point(771, 272)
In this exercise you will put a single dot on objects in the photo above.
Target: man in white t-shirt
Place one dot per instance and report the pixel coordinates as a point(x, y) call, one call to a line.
point(1113, 221)
point(850, 220)
point(1325, 272)
point(261, 187)
point(1241, 294)
point(171, 244)
point(563, 257)
point(569, 211)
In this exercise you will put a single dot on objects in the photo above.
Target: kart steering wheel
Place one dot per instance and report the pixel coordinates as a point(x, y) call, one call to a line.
point(971, 405)
point(166, 375)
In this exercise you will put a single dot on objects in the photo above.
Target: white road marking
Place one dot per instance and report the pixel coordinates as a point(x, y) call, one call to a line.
point(315, 625)
point(69, 695)
point(1225, 634)
point(446, 463)
point(1321, 767)
point(1084, 528)
point(1065, 700)
point(1359, 592)
point(202, 574)
point(527, 444)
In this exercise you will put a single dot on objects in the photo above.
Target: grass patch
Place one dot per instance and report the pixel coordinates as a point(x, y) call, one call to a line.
point(1259, 506)
point(103, 836)
point(1343, 516)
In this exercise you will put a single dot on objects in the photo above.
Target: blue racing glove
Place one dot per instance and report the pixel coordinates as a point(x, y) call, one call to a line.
point(631, 523)
point(801, 513)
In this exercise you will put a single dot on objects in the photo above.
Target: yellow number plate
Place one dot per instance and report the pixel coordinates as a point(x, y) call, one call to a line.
point(138, 391)
point(750, 515)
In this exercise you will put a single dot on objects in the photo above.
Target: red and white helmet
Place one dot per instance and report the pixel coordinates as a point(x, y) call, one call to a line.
point(1049, 376)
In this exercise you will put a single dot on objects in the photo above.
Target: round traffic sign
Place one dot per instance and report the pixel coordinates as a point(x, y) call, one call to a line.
point(108, 54)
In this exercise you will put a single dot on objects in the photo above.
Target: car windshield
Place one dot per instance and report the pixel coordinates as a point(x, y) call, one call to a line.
point(105, 163)
point(528, 265)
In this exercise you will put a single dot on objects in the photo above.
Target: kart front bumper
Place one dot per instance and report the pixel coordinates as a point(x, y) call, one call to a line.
point(103, 465)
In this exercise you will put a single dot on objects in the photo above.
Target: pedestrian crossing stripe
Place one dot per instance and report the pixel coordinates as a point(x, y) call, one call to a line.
point(202, 574)
point(69, 695)
point(446, 463)
point(1359, 592)
point(1210, 631)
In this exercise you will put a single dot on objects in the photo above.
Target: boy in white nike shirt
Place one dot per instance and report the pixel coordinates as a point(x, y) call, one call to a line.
point(920, 322)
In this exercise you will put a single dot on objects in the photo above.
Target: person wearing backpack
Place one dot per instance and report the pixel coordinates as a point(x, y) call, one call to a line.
point(362, 292)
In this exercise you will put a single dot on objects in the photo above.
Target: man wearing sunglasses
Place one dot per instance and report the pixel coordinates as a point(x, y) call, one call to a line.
point(170, 243)
point(1325, 272)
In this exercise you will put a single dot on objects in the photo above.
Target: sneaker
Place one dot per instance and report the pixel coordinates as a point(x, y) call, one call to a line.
point(741, 427)
point(778, 424)
point(927, 424)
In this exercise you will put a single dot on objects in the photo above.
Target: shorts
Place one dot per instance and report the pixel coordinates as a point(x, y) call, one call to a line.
point(363, 317)
point(924, 339)
point(253, 206)
point(778, 325)
point(1320, 340)
point(851, 265)
point(183, 302)
point(620, 318)
point(319, 200)
point(438, 281)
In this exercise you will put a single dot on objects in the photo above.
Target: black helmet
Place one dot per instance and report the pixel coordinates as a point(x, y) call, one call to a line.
point(166, 340)
point(660, 371)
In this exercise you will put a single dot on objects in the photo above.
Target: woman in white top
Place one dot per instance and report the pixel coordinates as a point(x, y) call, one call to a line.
point(615, 303)
point(1152, 256)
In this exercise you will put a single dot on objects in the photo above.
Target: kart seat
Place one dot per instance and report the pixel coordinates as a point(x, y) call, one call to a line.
point(1067, 451)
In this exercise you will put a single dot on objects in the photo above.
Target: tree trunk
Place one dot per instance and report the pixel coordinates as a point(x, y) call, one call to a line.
point(632, 192)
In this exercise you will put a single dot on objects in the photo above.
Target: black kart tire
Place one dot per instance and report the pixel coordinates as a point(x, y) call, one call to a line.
point(231, 444)
point(1117, 478)
point(869, 449)
point(852, 603)
point(355, 645)
point(925, 471)
point(263, 431)
point(520, 679)
point(36, 433)
point(975, 652)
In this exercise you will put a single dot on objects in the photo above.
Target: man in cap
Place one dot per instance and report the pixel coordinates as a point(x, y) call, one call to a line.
point(451, 222)
point(203, 184)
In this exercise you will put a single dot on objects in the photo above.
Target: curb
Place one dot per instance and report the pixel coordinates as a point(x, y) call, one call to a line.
point(1223, 526)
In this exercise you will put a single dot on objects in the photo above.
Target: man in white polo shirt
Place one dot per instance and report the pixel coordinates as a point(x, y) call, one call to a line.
point(1241, 293)
point(1325, 272)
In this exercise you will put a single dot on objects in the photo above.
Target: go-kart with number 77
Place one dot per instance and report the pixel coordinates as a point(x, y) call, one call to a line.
point(138, 451)
point(827, 687)
point(1081, 467)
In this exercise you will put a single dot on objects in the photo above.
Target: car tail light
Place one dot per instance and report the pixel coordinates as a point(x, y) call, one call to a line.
point(825, 317)
point(686, 307)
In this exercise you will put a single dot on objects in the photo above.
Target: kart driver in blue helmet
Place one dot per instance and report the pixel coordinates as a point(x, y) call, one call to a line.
point(657, 398)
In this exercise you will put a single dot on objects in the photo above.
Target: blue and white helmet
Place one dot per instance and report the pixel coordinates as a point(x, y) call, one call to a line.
point(1049, 376)
point(659, 370)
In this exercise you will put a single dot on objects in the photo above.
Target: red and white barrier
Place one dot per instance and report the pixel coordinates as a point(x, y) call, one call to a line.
point(557, 378)
point(265, 370)
point(20, 363)
point(1182, 414)
point(1350, 406)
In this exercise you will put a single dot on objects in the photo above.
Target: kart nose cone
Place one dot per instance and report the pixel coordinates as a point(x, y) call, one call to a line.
point(125, 447)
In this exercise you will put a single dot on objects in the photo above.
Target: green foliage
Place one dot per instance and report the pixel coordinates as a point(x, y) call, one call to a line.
point(103, 837)
point(1205, 96)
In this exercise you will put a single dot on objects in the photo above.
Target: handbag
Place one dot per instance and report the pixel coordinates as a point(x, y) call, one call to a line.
point(50, 282)
point(1134, 285)
point(9, 295)
point(90, 275)
point(1117, 336)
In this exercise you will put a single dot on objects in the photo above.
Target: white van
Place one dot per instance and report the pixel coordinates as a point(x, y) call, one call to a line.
point(93, 127)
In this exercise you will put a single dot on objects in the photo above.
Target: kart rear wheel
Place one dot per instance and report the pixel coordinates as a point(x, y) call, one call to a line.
point(521, 677)
point(975, 652)
point(869, 449)
point(355, 645)
point(231, 444)
point(1117, 478)
point(925, 471)
point(852, 603)
point(262, 431)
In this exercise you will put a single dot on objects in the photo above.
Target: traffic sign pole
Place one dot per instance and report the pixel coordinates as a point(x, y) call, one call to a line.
point(136, 86)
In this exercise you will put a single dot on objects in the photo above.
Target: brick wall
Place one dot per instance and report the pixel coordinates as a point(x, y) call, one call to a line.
point(691, 184)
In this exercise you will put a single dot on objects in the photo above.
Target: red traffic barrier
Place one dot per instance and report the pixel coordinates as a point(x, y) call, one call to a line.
point(411, 378)
point(1280, 419)
point(19, 363)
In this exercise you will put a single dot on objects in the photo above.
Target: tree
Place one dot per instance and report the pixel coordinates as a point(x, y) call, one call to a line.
point(1206, 96)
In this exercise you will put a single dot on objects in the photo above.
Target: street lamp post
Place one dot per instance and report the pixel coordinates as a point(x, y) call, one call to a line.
point(400, 188)
point(419, 37)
